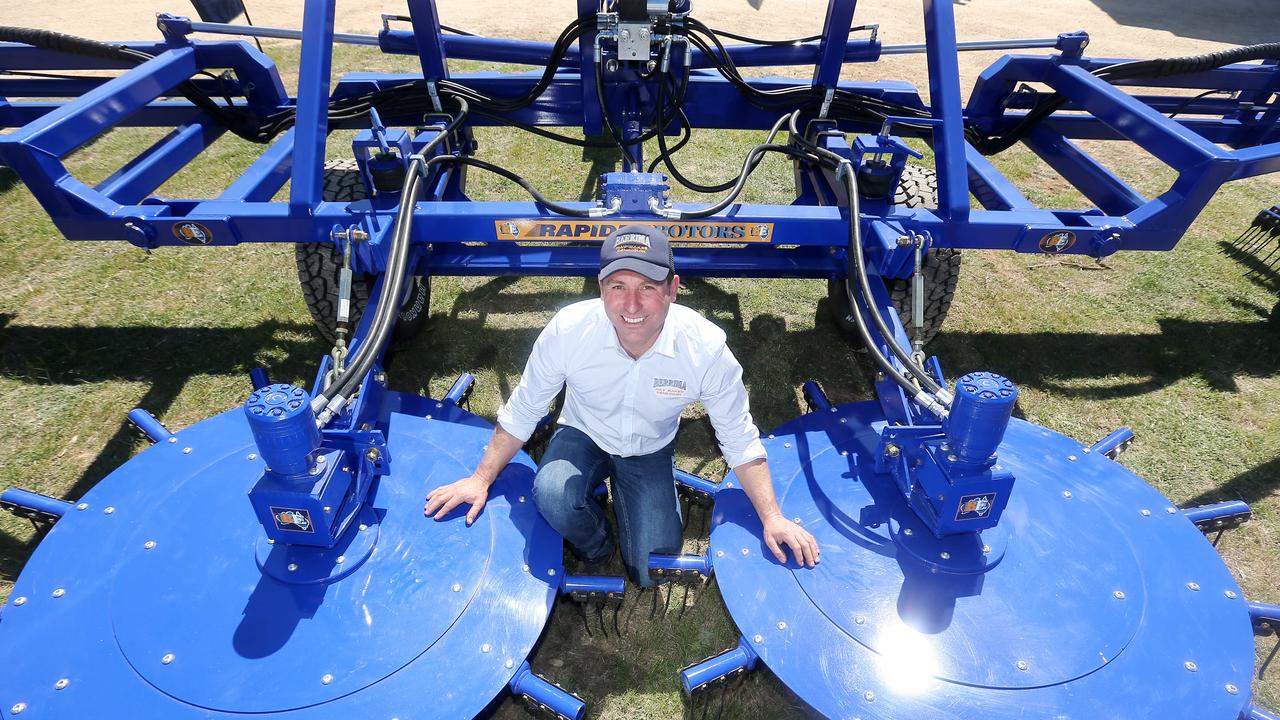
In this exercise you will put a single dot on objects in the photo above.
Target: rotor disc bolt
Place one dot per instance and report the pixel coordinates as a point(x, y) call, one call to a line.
point(251, 456)
point(1231, 688)
point(1022, 665)
point(945, 447)
point(908, 532)
point(457, 587)
point(363, 527)
point(892, 450)
point(869, 696)
point(952, 458)
point(844, 420)
point(1171, 510)
point(173, 439)
point(758, 638)
point(944, 555)
point(1066, 494)
point(62, 683)
point(59, 593)
point(186, 451)
point(524, 568)
point(745, 552)
point(509, 663)
point(326, 679)
point(551, 571)
point(166, 659)
point(372, 454)
point(1190, 666)
point(719, 553)
point(20, 600)
point(82, 506)
point(786, 445)
point(986, 549)
point(1193, 586)
point(1230, 594)
point(1145, 512)
point(1119, 594)
point(486, 648)
point(293, 567)
point(782, 626)
point(108, 510)
point(521, 498)
point(341, 559)
point(18, 708)
point(859, 620)
point(149, 545)
point(1072, 458)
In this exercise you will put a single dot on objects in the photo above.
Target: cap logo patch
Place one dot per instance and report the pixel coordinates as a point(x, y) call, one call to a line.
point(631, 243)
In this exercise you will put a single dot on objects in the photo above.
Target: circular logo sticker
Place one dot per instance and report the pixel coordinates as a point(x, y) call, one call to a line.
point(1058, 241)
point(193, 233)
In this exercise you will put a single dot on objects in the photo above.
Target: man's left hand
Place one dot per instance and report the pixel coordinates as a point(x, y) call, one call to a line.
point(779, 531)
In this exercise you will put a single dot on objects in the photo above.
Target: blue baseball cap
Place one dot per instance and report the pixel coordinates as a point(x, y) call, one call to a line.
point(637, 248)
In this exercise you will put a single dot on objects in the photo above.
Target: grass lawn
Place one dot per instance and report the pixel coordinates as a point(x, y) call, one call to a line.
point(1174, 345)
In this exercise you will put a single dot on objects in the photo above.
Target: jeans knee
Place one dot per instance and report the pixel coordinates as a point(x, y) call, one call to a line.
point(551, 489)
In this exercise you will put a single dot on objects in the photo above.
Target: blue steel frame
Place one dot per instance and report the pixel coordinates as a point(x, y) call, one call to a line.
point(808, 238)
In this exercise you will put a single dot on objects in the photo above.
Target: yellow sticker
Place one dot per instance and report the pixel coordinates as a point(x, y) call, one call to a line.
point(571, 230)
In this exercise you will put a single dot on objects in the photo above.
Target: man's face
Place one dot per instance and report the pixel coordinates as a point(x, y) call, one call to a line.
point(637, 307)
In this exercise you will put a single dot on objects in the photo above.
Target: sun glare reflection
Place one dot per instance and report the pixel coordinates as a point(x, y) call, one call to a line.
point(908, 662)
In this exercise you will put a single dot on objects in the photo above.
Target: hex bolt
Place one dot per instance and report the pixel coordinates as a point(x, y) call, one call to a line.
point(61, 684)
point(186, 451)
point(720, 553)
point(521, 498)
point(372, 454)
point(326, 679)
point(1066, 494)
point(1193, 586)
point(341, 559)
point(1022, 665)
point(1072, 458)
point(986, 549)
point(782, 626)
point(525, 568)
point(20, 600)
point(293, 567)
point(859, 620)
point(457, 587)
point(251, 456)
point(786, 445)
point(745, 552)
point(952, 458)
point(173, 439)
point(551, 571)
point(18, 708)
point(869, 696)
point(1119, 594)
point(486, 648)
point(59, 593)
point(844, 420)
point(611, 65)
point(381, 378)
point(1190, 666)
point(327, 509)
point(1230, 594)
point(1171, 510)
point(944, 555)
point(891, 450)
point(758, 638)
point(904, 241)
point(166, 659)
point(149, 545)
point(509, 663)
point(82, 506)
point(108, 510)
point(1231, 688)
point(908, 532)
point(1145, 512)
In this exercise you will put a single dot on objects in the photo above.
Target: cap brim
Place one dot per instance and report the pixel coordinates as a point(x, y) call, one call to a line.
point(653, 272)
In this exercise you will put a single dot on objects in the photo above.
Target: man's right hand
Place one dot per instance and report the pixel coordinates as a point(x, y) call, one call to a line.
point(472, 490)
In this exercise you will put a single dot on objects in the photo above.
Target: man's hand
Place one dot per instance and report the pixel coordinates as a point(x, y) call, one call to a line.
point(472, 490)
point(779, 531)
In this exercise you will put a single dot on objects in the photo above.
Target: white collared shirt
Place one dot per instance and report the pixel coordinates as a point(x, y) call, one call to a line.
point(632, 406)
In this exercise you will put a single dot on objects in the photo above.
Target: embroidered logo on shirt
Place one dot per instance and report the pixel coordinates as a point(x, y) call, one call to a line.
point(668, 387)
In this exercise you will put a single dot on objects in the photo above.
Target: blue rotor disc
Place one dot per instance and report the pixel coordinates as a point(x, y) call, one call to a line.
point(1094, 597)
point(160, 607)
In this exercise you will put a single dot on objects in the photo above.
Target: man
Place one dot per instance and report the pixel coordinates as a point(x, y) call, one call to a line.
point(631, 362)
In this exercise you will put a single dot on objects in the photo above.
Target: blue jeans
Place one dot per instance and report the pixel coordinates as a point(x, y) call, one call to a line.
point(644, 500)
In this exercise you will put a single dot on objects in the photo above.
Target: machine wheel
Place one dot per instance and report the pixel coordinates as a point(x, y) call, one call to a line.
point(320, 263)
point(918, 188)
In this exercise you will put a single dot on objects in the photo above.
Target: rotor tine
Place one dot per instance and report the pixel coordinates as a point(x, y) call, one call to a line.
point(1240, 238)
point(626, 623)
point(586, 623)
point(686, 507)
point(684, 601)
point(653, 602)
point(724, 690)
point(705, 702)
point(1218, 537)
point(617, 609)
point(666, 604)
point(1271, 656)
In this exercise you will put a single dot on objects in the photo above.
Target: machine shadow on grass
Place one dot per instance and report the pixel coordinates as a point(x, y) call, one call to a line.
point(75, 355)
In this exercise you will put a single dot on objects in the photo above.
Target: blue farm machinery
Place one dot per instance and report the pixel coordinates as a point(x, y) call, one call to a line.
point(272, 560)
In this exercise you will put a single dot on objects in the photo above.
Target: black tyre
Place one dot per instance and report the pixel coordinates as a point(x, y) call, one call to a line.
point(320, 263)
point(918, 188)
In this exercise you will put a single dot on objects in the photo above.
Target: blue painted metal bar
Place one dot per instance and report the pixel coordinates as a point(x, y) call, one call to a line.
point(1173, 144)
point(460, 389)
point(1115, 440)
point(731, 662)
point(311, 126)
point(990, 186)
point(1266, 613)
point(944, 97)
point(695, 482)
point(35, 502)
point(261, 180)
point(814, 394)
point(591, 121)
point(534, 687)
point(149, 170)
point(589, 585)
point(1209, 517)
point(149, 425)
point(1257, 713)
point(258, 378)
point(74, 123)
point(427, 39)
point(835, 40)
point(680, 564)
point(1104, 188)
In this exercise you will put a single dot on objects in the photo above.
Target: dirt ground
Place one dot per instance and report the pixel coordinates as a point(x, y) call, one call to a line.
point(1117, 28)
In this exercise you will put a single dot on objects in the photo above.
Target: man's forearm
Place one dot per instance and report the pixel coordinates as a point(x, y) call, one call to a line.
point(758, 484)
point(497, 454)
